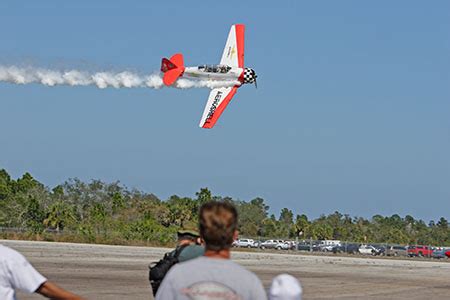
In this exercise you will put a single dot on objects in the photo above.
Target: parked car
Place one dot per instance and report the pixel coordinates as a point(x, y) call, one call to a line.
point(396, 251)
point(308, 247)
point(256, 244)
point(282, 245)
point(244, 243)
point(270, 244)
point(419, 251)
point(291, 245)
point(327, 245)
point(346, 248)
point(447, 253)
point(330, 242)
point(381, 250)
point(368, 250)
point(326, 248)
point(438, 254)
point(304, 247)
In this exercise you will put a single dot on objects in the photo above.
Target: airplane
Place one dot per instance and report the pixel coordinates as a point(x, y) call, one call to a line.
point(231, 68)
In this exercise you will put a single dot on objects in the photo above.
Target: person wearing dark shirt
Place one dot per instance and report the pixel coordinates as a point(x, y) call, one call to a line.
point(193, 248)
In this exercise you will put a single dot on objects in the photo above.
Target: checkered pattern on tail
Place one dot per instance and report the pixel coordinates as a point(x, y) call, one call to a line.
point(249, 75)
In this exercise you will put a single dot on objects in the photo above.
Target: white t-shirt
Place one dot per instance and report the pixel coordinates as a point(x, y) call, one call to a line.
point(17, 273)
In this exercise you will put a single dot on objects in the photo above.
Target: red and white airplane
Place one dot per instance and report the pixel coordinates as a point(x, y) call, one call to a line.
point(231, 68)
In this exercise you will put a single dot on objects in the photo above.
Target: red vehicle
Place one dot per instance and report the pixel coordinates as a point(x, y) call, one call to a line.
point(447, 253)
point(418, 250)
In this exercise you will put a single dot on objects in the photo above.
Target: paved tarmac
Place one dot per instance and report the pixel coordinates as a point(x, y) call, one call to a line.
point(120, 272)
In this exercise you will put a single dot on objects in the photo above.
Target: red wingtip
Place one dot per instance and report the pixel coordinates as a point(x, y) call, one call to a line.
point(240, 32)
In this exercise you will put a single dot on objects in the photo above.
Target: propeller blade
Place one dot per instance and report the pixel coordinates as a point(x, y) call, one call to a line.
point(256, 85)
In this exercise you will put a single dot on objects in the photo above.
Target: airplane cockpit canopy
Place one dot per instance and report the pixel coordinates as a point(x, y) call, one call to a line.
point(214, 68)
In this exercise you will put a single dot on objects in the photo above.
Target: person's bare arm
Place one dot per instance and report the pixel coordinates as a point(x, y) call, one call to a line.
point(52, 291)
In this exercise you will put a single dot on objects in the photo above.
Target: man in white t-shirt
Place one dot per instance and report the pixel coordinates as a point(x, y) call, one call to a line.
point(17, 273)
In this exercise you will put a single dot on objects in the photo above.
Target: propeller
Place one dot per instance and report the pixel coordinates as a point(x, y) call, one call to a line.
point(256, 85)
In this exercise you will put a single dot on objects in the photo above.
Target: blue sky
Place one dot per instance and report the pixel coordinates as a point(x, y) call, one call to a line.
point(351, 111)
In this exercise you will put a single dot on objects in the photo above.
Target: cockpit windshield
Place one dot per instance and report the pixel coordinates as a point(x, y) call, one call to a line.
point(215, 68)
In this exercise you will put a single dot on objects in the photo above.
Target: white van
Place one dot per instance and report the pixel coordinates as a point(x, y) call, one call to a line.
point(327, 245)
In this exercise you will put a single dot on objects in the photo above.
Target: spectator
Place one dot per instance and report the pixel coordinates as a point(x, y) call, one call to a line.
point(285, 287)
point(188, 247)
point(17, 273)
point(192, 242)
point(214, 275)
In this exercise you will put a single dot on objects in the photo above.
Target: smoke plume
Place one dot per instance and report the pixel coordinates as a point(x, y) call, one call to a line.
point(125, 79)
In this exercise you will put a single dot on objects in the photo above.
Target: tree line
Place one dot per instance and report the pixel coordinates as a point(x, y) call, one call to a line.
point(96, 211)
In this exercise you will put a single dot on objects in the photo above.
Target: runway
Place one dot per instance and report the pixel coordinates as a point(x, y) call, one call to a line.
point(120, 272)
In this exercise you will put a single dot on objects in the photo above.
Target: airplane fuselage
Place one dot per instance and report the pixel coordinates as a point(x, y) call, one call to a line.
point(221, 72)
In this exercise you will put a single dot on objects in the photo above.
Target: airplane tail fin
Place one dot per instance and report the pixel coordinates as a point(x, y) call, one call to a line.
point(172, 68)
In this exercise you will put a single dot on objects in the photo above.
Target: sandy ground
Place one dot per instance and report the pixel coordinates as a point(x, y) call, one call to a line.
point(120, 272)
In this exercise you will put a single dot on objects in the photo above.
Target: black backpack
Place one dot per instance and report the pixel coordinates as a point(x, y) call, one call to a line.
point(159, 270)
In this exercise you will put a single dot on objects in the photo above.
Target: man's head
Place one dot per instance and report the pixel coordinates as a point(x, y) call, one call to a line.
point(187, 237)
point(218, 225)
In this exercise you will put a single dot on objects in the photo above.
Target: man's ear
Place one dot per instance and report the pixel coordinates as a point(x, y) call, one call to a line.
point(235, 235)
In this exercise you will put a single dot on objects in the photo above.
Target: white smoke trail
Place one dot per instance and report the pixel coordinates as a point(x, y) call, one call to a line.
point(126, 79)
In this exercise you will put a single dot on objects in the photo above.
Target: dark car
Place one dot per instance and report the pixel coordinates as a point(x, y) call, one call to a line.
point(438, 254)
point(381, 250)
point(307, 247)
point(346, 248)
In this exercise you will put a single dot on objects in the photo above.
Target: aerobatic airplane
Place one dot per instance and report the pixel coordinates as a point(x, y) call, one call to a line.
point(231, 68)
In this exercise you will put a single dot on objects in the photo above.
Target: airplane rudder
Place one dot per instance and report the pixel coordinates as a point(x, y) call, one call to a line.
point(177, 59)
point(167, 65)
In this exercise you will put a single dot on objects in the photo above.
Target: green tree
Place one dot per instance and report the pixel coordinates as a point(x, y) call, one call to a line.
point(34, 216)
point(302, 226)
point(321, 231)
point(118, 202)
point(183, 211)
point(203, 196)
point(26, 183)
point(5, 184)
point(286, 227)
point(251, 217)
point(59, 215)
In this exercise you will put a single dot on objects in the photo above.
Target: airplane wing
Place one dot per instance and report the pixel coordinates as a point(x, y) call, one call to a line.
point(233, 54)
point(217, 102)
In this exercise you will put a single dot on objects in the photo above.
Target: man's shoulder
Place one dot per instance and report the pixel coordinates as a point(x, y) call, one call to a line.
point(8, 254)
point(194, 247)
point(190, 252)
point(189, 263)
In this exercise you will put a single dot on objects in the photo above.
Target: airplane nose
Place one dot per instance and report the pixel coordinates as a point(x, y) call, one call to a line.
point(249, 75)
